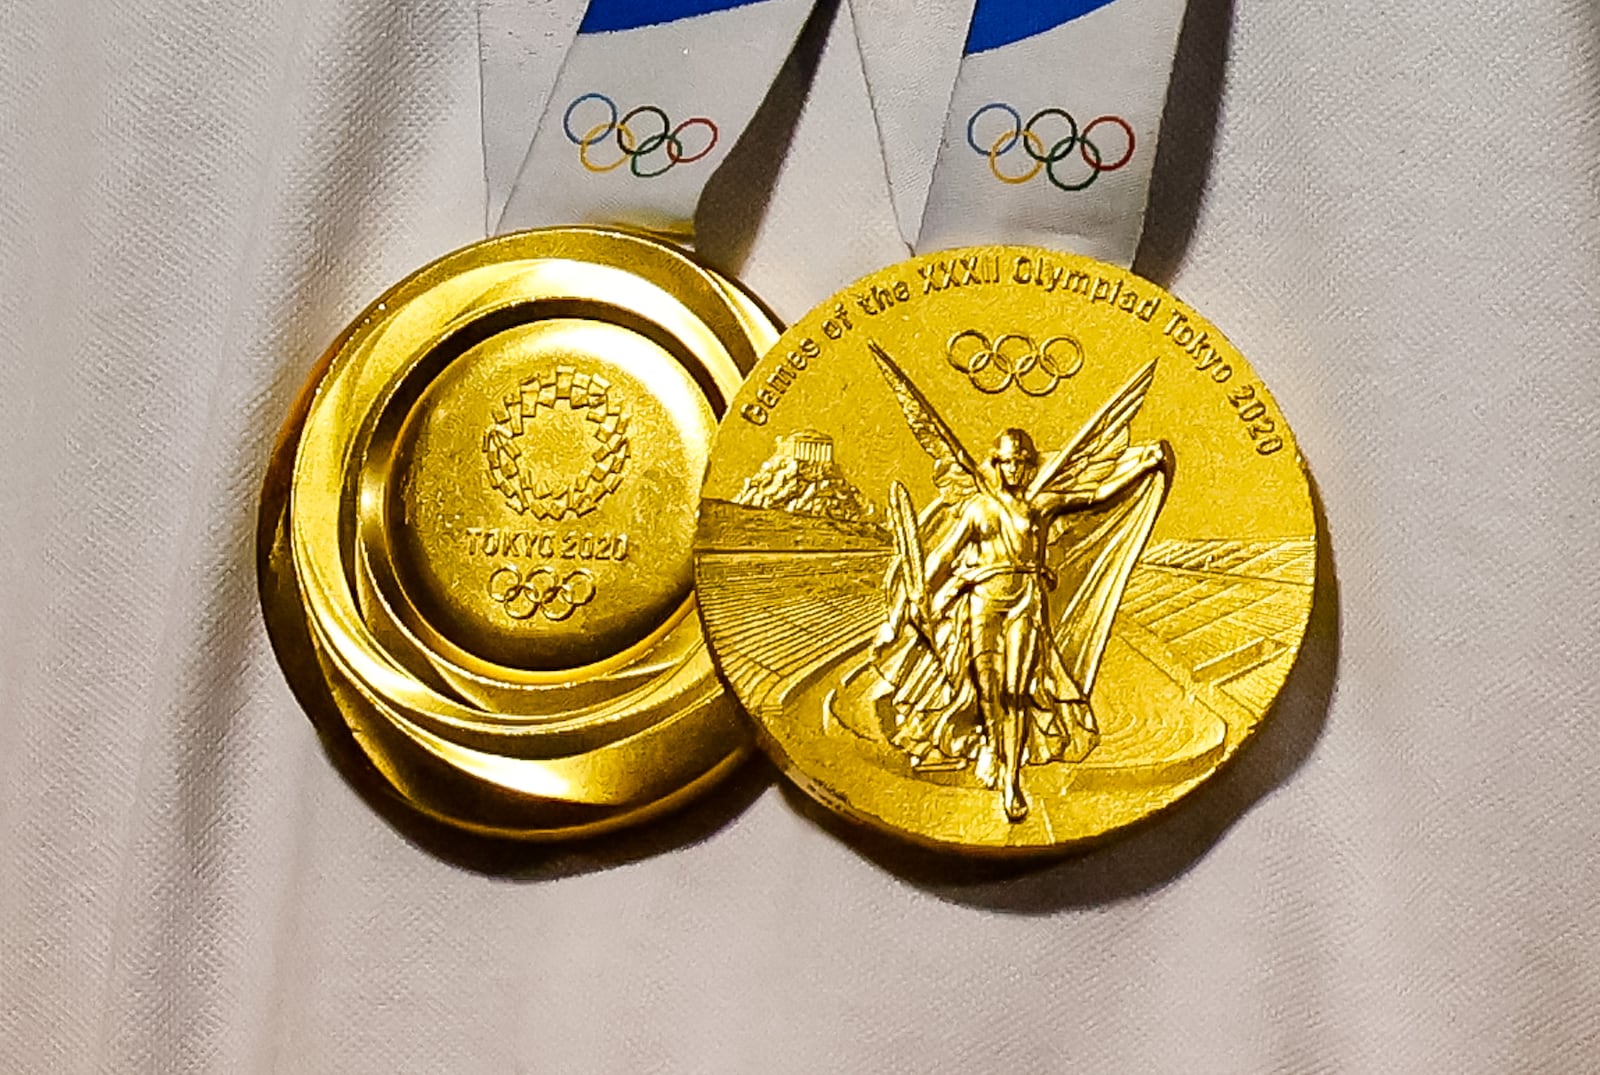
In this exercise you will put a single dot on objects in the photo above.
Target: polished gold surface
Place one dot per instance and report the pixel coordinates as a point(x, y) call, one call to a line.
point(1004, 550)
point(475, 541)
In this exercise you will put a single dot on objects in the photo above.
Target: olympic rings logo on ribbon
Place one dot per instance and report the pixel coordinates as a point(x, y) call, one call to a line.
point(1014, 359)
point(541, 591)
point(656, 153)
point(1061, 134)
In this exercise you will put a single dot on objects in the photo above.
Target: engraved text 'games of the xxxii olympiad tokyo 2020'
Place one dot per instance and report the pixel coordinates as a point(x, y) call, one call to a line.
point(475, 540)
point(1004, 550)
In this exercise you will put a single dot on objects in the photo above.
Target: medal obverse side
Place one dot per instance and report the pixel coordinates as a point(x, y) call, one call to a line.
point(1004, 549)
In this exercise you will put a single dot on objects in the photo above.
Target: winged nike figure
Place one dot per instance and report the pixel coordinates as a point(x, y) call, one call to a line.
point(1002, 590)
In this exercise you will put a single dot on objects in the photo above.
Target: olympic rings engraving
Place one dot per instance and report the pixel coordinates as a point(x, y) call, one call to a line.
point(1014, 359)
point(541, 591)
point(637, 152)
point(1047, 152)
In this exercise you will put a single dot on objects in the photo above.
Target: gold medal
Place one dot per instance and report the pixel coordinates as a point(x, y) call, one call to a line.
point(475, 537)
point(1004, 550)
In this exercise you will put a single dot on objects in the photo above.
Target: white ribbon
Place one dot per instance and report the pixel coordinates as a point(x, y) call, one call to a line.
point(1051, 132)
point(652, 96)
point(521, 44)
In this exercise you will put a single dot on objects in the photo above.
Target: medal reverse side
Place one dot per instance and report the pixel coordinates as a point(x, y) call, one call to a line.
point(475, 537)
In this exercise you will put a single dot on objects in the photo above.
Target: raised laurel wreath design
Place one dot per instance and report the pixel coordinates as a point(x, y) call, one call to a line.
point(520, 476)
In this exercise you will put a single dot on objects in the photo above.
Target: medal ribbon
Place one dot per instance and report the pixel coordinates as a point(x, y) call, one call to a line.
point(1051, 133)
point(652, 96)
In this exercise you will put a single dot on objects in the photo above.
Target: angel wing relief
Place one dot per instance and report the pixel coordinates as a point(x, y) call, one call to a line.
point(964, 639)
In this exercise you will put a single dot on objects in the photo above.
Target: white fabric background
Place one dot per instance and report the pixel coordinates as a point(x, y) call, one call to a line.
point(1393, 208)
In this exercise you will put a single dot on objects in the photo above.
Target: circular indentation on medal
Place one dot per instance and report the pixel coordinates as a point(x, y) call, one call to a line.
point(542, 495)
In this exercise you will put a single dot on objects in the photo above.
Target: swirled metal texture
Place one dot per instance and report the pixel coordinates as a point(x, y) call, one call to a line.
point(474, 544)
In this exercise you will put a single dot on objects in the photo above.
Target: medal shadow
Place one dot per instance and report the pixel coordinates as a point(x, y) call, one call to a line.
point(681, 826)
point(698, 817)
point(1158, 849)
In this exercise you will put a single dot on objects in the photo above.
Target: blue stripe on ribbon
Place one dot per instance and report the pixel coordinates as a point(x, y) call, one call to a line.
point(1000, 22)
point(604, 16)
